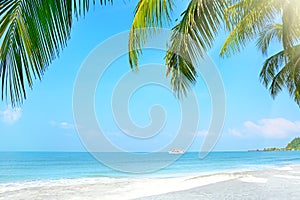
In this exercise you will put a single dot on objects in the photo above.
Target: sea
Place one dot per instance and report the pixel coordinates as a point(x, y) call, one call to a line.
point(17, 168)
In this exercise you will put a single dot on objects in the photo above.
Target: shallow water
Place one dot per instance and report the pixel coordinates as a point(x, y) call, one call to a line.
point(47, 166)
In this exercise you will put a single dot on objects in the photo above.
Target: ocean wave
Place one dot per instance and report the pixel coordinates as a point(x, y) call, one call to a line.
point(13, 186)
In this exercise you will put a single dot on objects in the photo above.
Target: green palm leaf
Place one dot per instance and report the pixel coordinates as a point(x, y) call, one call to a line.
point(245, 19)
point(270, 32)
point(148, 14)
point(283, 70)
point(268, 20)
point(32, 33)
point(291, 23)
point(193, 35)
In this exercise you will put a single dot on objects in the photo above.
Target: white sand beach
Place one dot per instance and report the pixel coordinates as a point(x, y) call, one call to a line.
point(276, 183)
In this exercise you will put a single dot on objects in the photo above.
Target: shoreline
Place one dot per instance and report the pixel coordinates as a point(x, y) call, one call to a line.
point(275, 183)
point(163, 188)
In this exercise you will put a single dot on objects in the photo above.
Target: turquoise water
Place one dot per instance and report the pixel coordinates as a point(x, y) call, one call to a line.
point(39, 166)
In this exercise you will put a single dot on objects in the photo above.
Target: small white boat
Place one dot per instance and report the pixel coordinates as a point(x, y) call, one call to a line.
point(176, 151)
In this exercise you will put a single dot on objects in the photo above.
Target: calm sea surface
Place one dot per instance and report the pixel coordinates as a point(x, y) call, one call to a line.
point(45, 166)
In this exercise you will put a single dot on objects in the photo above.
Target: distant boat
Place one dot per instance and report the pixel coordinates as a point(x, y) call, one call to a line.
point(176, 151)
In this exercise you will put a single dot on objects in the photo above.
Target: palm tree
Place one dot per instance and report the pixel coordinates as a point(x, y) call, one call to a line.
point(245, 20)
point(35, 32)
point(269, 20)
point(191, 36)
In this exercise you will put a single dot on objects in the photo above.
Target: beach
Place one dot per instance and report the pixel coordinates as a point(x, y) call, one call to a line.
point(275, 183)
point(150, 100)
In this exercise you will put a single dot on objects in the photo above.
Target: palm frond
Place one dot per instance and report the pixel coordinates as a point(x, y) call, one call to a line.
point(270, 32)
point(271, 66)
point(296, 72)
point(33, 32)
point(149, 14)
point(291, 23)
point(245, 19)
point(193, 35)
point(295, 75)
point(283, 70)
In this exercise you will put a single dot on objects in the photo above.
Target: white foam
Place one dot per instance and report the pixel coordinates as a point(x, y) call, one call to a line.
point(295, 172)
point(109, 188)
point(288, 177)
point(286, 168)
point(12, 186)
point(161, 186)
point(125, 188)
point(252, 179)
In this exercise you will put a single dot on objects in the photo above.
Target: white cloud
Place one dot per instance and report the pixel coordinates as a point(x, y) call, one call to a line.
point(10, 115)
point(62, 125)
point(202, 133)
point(66, 125)
point(269, 128)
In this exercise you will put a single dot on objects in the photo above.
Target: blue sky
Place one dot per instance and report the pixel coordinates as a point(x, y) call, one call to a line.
point(45, 120)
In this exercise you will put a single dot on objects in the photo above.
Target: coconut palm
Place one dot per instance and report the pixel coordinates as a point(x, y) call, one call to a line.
point(245, 20)
point(191, 36)
point(35, 31)
point(268, 20)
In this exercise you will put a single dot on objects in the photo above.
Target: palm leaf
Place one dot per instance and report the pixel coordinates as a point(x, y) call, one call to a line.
point(283, 70)
point(270, 32)
point(33, 32)
point(149, 14)
point(271, 66)
point(245, 19)
point(193, 35)
point(291, 23)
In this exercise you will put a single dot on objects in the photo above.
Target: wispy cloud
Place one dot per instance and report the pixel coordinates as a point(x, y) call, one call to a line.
point(202, 133)
point(269, 128)
point(10, 115)
point(62, 125)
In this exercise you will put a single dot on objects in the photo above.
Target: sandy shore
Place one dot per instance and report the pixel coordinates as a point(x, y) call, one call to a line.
point(278, 183)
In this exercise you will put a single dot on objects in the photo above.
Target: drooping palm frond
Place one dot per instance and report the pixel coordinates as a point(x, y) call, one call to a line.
point(193, 35)
point(291, 23)
point(268, 20)
point(292, 82)
point(270, 68)
point(245, 19)
point(81, 7)
point(149, 14)
point(283, 70)
point(270, 32)
point(32, 33)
